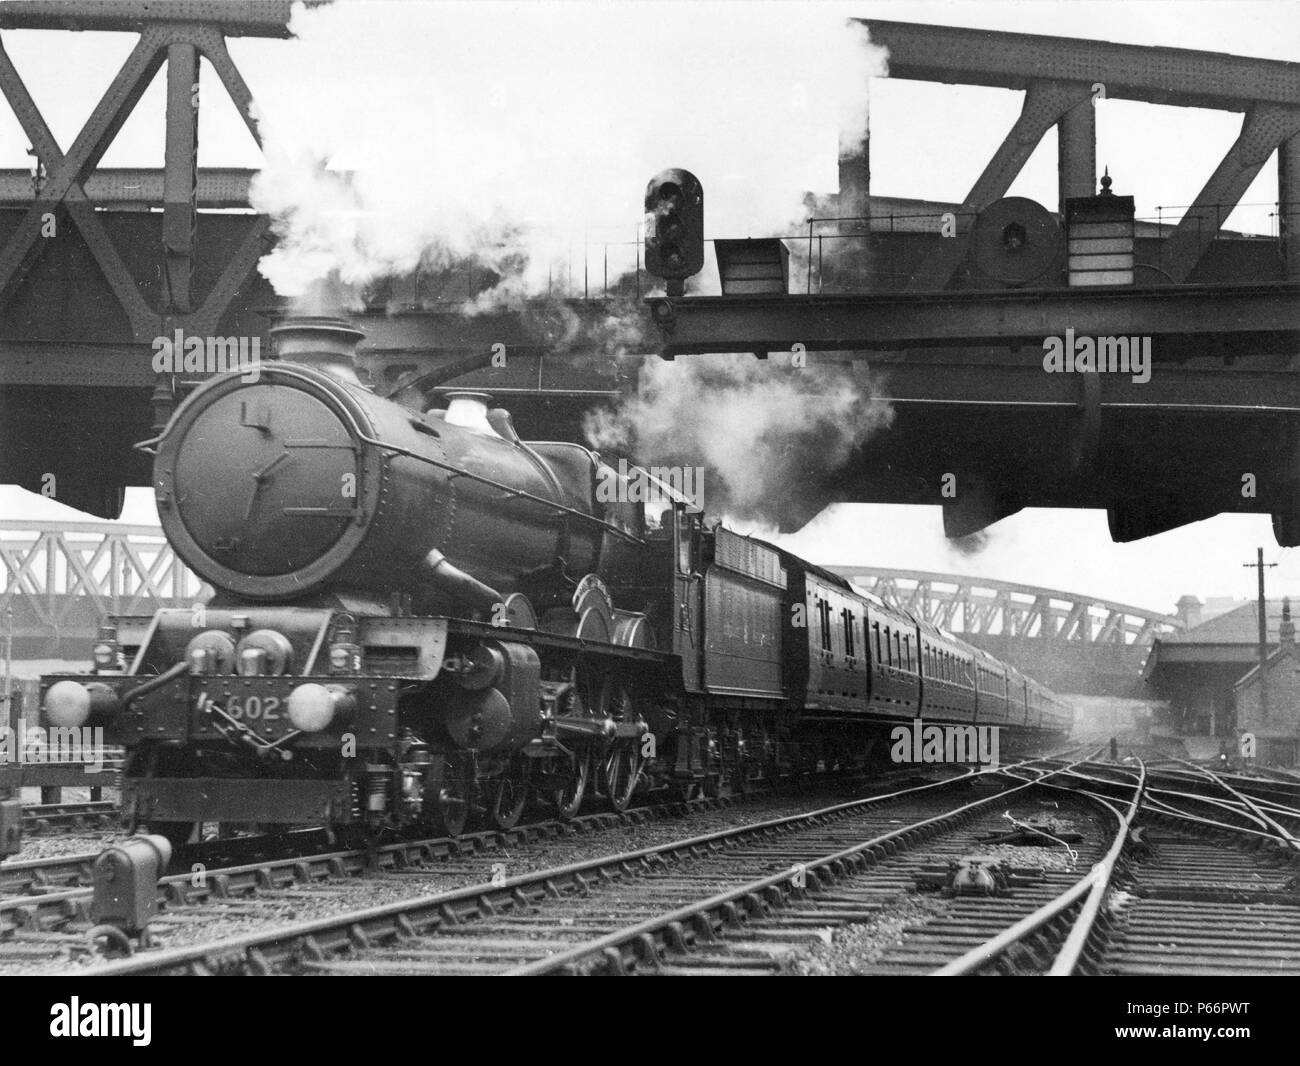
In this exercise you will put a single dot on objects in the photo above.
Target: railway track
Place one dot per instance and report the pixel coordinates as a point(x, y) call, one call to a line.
point(1204, 906)
point(1210, 895)
point(744, 899)
point(21, 876)
point(1203, 897)
point(41, 899)
point(1179, 891)
point(42, 818)
point(45, 895)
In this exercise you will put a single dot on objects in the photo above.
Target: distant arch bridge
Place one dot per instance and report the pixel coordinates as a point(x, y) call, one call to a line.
point(1072, 642)
point(60, 580)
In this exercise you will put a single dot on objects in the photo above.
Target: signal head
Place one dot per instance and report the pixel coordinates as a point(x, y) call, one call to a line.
point(674, 224)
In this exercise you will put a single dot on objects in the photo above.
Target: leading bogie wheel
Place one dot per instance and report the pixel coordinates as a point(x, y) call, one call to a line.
point(449, 791)
point(508, 795)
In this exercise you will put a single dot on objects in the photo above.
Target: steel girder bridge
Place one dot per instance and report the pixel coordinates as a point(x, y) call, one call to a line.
point(954, 342)
point(1071, 642)
point(59, 582)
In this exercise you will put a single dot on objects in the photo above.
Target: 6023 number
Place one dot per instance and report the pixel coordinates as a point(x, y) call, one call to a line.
point(254, 708)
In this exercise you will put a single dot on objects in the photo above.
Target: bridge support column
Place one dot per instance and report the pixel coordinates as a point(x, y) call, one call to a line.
point(1288, 195)
point(1076, 141)
point(1046, 104)
point(180, 175)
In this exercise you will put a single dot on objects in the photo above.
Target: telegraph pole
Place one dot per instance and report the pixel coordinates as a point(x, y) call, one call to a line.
point(1260, 565)
point(9, 666)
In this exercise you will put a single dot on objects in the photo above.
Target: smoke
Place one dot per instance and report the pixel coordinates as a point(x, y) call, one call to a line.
point(971, 544)
point(516, 139)
point(767, 434)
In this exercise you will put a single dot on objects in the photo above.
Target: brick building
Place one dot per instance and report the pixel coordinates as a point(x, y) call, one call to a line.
point(1196, 672)
point(1275, 724)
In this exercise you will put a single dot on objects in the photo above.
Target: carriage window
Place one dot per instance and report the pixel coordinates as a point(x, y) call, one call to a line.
point(907, 651)
point(824, 617)
point(889, 648)
point(848, 632)
point(898, 648)
point(875, 630)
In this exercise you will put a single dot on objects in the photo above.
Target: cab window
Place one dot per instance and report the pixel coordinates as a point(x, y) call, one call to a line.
point(685, 542)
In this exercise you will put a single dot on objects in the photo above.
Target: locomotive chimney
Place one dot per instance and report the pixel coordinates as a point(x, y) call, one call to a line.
point(328, 344)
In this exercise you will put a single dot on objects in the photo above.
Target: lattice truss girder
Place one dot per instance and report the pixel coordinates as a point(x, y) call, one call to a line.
point(46, 580)
point(1061, 79)
point(982, 607)
point(176, 35)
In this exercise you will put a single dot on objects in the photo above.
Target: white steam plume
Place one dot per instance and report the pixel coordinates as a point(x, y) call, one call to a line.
point(769, 435)
point(508, 134)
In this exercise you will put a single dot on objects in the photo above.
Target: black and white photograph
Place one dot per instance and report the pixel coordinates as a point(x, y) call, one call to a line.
point(650, 488)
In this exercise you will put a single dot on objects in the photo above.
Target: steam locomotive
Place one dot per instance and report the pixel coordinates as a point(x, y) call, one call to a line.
point(420, 617)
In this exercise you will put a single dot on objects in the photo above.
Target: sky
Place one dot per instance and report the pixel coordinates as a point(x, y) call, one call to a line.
point(928, 141)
